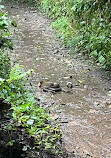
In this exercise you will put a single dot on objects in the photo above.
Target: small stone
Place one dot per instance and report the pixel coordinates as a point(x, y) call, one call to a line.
point(92, 111)
point(54, 117)
point(71, 76)
point(56, 51)
point(63, 104)
point(46, 78)
point(69, 84)
point(65, 77)
point(39, 84)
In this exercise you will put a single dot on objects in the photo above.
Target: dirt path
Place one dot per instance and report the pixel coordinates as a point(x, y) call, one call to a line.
point(85, 113)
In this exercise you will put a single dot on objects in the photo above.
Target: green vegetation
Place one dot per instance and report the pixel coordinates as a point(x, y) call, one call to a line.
point(83, 25)
point(26, 110)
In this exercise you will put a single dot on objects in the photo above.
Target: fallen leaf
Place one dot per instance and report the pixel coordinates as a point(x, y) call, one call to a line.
point(72, 123)
point(87, 153)
point(39, 84)
point(109, 106)
point(92, 111)
point(96, 103)
point(68, 61)
point(54, 117)
point(80, 81)
point(37, 59)
point(87, 70)
point(109, 93)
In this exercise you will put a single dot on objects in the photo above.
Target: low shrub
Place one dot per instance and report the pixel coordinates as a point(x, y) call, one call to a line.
point(84, 25)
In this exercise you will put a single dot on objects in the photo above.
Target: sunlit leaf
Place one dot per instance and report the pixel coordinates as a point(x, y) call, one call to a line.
point(14, 23)
point(11, 142)
point(80, 81)
point(30, 122)
point(101, 59)
point(24, 148)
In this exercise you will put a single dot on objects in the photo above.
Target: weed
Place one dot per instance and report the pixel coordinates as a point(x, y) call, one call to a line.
point(84, 25)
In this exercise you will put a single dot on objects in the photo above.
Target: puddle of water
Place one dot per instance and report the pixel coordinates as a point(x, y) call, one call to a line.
point(85, 118)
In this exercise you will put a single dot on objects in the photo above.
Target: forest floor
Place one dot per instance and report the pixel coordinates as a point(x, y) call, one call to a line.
point(84, 112)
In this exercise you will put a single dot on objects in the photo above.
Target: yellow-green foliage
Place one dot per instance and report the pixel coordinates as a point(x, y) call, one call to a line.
point(85, 25)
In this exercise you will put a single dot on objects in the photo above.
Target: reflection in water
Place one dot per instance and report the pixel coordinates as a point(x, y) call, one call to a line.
point(85, 120)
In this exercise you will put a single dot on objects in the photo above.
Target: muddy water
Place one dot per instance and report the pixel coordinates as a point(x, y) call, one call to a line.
point(85, 112)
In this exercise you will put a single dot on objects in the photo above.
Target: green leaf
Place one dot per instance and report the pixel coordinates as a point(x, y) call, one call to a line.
point(1, 14)
point(48, 145)
point(101, 59)
point(8, 33)
point(1, 6)
point(18, 73)
point(14, 23)
point(10, 143)
point(94, 53)
point(30, 122)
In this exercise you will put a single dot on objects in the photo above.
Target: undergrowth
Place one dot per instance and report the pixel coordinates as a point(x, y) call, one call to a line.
point(27, 112)
point(83, 25)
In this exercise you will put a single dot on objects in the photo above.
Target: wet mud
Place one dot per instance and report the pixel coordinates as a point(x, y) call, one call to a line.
point(85, 112)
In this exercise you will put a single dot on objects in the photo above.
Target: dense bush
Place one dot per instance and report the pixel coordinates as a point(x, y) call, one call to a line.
point(4, 55)
point(85, 25)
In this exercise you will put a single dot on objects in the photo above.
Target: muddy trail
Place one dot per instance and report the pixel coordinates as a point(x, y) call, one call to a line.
point(84, 112)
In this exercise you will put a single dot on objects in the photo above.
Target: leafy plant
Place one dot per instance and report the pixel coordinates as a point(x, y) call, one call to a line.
point(27, 111)
point(84, 25)
point(11, 142)
point(5, 64)
point(63, 28)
